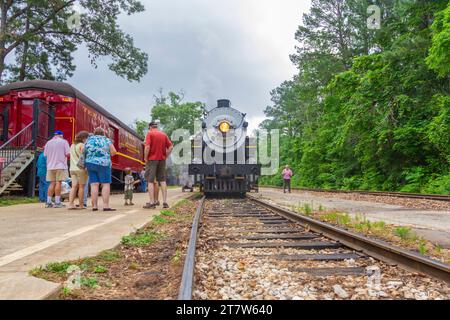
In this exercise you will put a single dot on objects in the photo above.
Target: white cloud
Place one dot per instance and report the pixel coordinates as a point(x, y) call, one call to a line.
point(235, 49)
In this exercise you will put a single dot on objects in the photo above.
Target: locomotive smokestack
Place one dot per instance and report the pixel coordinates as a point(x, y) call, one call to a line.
point(223, 103)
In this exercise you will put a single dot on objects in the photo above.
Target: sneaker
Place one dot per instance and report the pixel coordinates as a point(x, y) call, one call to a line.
point(59, 205)
point(149, 206)
point(49, 205)
point(157, 203)
point(165, 205)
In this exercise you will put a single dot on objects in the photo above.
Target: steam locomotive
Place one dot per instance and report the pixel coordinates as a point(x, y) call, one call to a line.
point(224, 159)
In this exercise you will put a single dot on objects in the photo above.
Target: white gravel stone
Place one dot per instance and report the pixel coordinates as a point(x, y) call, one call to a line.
point(394, 284)
point(340, 292)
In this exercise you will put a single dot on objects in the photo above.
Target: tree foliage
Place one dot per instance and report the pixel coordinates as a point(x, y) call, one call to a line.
point(38, 38)
point(173, 113)
point(365, 110)
point(439, 58)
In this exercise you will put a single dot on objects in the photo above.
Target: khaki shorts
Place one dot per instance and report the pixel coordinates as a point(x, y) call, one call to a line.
point(79, 177)
point(155, 169)
point(57, 175)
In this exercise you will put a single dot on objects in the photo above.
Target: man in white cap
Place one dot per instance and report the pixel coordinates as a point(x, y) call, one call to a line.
point(56, 151)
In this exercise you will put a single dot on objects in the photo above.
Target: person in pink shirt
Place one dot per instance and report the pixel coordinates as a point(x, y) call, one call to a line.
point(56, 151)
point(287, 175)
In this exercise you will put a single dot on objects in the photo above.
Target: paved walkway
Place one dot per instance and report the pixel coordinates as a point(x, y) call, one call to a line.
point(32, 236)
point(430, 224)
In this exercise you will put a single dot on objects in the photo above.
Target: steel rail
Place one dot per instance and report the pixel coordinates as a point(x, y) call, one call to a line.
point(187, 279)
point(438, 197)
point(375, 248)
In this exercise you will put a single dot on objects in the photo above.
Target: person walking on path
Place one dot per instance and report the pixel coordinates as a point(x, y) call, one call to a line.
point(42, 175)
point(79, 176)
point(56, 151)
point(157, 148)
point(99, 149)
point(287, 175)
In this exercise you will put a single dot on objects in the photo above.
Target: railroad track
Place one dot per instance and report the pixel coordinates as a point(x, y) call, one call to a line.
point(437, 197)
point(250, 249)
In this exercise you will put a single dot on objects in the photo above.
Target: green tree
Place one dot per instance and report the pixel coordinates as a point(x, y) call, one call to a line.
point(141, 127)
point(41, 38)
point(174, 114)
point(367, 113)
point(439, 58)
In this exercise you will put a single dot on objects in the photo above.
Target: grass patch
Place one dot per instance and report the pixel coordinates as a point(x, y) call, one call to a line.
point(177, 257)
point(304, 208)
point(100, 269)
point(159, 220)
point(141, 239)
point(167, 213)
point(422, 246)
point(398, 235)
point(89, 282)
point(109, 256)
point(181, 203)
point(438, 248)
point(36, 272)
point(403, 232)
point(307, 209)
point(57, 267)
point(12, 200)
point(379, 225)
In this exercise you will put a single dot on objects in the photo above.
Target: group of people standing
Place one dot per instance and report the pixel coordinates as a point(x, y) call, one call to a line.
point(88, 160)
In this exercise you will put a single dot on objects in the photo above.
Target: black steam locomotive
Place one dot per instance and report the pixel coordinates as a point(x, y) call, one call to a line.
point(224, 157)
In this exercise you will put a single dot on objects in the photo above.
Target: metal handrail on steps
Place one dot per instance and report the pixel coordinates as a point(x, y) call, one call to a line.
point(15, 146)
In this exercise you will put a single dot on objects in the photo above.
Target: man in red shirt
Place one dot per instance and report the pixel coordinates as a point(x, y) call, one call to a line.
point(157, 148)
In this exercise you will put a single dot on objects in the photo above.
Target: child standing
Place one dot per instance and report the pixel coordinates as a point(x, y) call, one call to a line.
point(129, 186)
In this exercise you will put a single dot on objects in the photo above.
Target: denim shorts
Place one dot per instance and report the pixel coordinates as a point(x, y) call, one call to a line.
point(98, 174)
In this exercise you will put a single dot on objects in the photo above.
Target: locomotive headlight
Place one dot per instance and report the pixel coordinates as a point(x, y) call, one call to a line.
point(224, 127)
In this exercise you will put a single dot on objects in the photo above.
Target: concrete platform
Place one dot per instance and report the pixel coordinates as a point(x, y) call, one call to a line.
point(32, 236)
point(430, 224)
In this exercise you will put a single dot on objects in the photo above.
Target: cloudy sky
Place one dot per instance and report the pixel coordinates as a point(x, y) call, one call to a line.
point(235, 49)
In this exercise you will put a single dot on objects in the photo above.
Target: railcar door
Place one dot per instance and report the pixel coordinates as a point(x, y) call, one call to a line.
point(4, 122)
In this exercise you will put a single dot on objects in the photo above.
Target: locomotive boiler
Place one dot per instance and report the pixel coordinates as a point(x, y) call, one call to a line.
point(224, 159)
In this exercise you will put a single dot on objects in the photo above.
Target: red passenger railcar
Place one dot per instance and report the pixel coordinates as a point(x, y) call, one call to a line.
point(73, 111)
